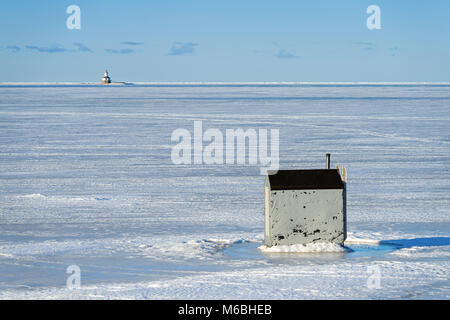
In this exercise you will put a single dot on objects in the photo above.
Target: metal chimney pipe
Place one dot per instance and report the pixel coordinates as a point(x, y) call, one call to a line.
point(328, 161)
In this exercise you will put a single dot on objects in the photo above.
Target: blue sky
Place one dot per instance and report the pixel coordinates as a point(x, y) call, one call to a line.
point(233, 40)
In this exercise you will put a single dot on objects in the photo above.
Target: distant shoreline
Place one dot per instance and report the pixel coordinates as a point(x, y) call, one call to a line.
point(281, 83)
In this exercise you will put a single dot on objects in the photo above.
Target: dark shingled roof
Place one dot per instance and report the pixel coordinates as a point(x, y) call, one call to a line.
point(306, 179)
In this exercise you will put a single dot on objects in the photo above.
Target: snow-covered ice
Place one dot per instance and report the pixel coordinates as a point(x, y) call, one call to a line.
point(86, 179)
point(304, 248)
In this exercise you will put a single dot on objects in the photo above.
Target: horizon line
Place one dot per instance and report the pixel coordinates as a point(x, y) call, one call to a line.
point(62, 83)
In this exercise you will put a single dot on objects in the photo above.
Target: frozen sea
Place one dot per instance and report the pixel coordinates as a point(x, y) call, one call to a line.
point(86, 179)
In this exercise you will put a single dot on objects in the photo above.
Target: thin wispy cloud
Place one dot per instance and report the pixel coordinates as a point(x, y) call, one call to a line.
point(283, 54)
point(394, 51)
point(257, 51)
point(120, 51)
point(367, 46)
point(363, 43)
point(82, 47)
point(52, 49)
point(14, 49)
point(182, 48)
point(132, 43)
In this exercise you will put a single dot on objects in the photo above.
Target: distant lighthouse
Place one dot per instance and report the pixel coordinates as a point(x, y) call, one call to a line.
point(106, 79)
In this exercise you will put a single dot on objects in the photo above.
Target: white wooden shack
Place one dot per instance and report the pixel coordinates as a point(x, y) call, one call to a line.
point(305, 206)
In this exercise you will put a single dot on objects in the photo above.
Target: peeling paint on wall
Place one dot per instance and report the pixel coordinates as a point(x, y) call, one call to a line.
point(304, 216)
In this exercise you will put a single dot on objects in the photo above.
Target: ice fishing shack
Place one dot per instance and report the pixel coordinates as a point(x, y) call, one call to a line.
point(305, 206)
